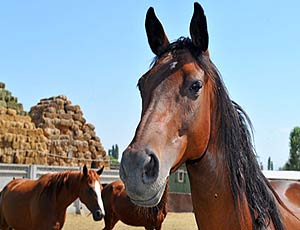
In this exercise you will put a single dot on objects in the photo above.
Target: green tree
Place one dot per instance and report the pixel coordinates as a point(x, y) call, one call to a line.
point(114, 152)
point(270, 164)
point(294, 160)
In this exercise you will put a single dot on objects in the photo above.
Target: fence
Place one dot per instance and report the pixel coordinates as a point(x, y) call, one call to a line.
point(10, 171)
point(282, 175)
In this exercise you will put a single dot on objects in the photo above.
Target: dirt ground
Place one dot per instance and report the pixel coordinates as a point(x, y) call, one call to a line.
point(174, 221)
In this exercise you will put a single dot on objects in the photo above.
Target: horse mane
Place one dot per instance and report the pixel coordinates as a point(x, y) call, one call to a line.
point(57, 181)
point(234, 140)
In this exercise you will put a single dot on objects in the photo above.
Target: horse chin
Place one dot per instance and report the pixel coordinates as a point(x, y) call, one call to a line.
point(153, 198)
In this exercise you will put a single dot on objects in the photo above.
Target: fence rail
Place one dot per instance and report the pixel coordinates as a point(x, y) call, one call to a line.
point(10, 171)
point(282, 175)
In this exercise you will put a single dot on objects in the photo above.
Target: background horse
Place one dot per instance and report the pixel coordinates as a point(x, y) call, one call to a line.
point(289, 193)
point(188, 117)
point(41, 204)
point(118, 206)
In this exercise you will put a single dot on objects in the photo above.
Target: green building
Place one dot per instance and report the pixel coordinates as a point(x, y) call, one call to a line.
point(179, 181)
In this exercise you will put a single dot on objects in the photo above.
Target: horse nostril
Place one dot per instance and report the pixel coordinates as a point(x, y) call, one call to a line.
point(98, 215)
point(151, 168)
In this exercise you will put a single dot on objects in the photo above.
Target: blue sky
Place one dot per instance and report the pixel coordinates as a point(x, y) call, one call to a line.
point(95, 51)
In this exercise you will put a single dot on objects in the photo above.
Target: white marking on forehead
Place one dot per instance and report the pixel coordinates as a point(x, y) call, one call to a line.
point(173, 65)
point(98, 192)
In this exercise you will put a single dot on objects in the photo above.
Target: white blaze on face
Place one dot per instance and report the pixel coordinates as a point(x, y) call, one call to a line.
point(98, 192)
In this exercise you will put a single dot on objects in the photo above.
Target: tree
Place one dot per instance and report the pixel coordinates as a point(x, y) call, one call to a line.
point(114, 152)
point(294, 160)
point(270, 164)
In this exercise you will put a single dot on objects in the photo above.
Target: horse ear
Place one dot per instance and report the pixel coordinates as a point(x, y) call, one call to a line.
point(85, 170)
point(99, 172)
point(198, 28)
point(157, 38)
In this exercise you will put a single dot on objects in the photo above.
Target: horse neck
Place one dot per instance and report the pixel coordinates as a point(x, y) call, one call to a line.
point(70, 189)
point(212, 197)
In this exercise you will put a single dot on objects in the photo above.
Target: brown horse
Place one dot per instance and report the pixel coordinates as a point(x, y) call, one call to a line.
point(41, 204)
point(188, 117)
point(289, 193)
point(118, 206)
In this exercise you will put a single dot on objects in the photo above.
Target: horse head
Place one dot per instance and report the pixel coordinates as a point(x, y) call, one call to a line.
point(176, 104)
point(90, 192)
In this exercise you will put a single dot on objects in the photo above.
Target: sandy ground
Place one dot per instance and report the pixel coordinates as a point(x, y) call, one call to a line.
point(174, 221)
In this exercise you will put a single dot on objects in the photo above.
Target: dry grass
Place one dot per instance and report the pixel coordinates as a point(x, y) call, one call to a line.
point(174, 221)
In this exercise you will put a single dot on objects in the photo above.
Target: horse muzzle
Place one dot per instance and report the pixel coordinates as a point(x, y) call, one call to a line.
point(98, 215)
point(140, 172)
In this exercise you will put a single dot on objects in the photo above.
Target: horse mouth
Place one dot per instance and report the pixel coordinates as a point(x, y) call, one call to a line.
point(150, 202)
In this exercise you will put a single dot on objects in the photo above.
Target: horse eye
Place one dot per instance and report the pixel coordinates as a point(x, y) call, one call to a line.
point(196, 86)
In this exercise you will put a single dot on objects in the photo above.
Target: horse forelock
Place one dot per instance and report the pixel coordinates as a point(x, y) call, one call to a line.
point(233, 139)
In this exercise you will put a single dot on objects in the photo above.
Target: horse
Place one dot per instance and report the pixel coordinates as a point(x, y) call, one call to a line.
point(289, 193)
point(41, 204)
point(118, 206)
point(188, 117)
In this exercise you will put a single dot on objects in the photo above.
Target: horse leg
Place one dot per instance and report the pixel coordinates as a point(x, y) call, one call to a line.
point(110, 221)
point(156, 226)
point(3, 224)
point(106, 222)
point(5, 227)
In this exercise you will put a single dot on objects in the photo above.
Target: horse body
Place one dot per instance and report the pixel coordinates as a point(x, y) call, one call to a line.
point(41, 204)
point(289, 193)
point(18, 195)
point(118, 206)
point(188, 117)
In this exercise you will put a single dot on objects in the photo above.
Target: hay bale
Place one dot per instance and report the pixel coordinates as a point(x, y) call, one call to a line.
point(66, 129)
point(11, 112)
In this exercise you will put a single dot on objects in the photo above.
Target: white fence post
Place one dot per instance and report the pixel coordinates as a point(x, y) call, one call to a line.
point(32, 172)
point(77, 205)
